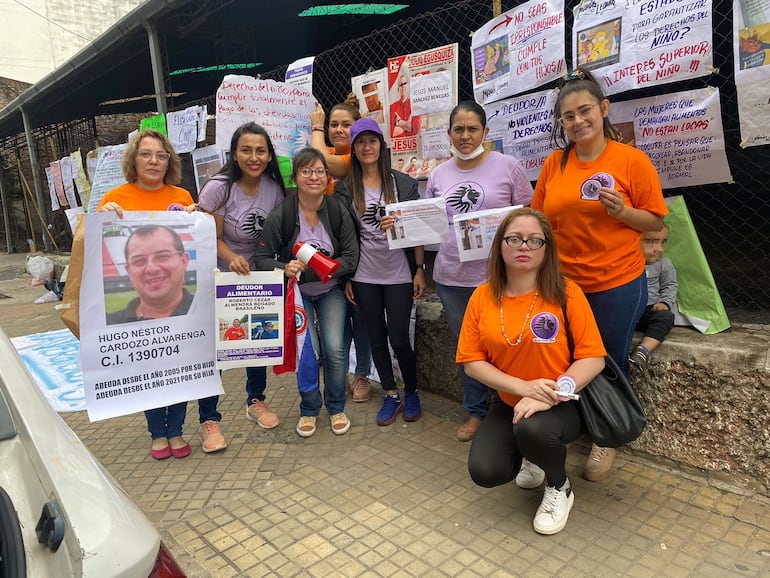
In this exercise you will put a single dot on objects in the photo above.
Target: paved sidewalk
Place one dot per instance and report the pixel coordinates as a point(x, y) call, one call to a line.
point(397, 500)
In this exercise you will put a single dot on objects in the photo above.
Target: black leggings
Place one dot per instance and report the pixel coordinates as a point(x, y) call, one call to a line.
point(497, 450)
point(375, 301)
point(655, 324)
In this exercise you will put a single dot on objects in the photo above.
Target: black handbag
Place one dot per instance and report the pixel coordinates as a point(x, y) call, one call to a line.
point(608, 405)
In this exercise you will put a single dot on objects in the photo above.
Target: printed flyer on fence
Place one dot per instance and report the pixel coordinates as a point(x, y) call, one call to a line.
point(751, 34)
point(372, 94)
point(519, 50)
point(682, 134)
point(147, 290)
point(420, 106)
point(250, 318)
point(420, 222)
point(474, 232)
point(638, 44)
point(108, 173)
point(521, 127)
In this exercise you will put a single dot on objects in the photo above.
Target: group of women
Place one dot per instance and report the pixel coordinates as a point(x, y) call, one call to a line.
point(569, 263)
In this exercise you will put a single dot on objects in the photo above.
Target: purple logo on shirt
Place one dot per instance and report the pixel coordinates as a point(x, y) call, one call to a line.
point(175, 207)
point(545, 327)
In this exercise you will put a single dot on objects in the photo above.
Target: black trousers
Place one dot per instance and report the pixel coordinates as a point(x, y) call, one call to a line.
point(655, 324)
point(499, 446)
point(387, 309)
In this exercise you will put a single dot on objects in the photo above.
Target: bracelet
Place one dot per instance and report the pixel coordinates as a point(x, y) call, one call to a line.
point(318, 127)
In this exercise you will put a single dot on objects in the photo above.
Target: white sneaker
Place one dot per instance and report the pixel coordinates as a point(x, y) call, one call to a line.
point(552, 515)
point(306, 426)
point(530, 476)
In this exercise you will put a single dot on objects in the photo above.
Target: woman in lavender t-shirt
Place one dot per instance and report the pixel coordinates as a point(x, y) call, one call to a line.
point(240, 198)
point(474, 180)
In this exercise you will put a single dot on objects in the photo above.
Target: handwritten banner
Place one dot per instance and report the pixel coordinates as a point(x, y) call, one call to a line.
point(680, 132)
point(642, 43)
point(108, 173)
point(519, 50)
point(281, 108)
point(751, 34)
point(157, 122)
point(183, 129)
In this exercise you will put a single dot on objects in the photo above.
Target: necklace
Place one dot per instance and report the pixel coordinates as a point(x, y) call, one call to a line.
point(523, 325)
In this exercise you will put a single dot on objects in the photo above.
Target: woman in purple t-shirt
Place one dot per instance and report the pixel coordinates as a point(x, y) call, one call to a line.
point(474, 180)
point(240, 198)
point(369, 187)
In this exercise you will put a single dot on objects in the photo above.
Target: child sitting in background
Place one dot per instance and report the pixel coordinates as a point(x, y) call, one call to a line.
point(658, 317)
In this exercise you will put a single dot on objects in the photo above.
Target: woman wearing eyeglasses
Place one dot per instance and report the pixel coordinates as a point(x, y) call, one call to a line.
point(318, 220)
point(149, 165)
point(600, 195)
point(513, 341)
point(475, 179)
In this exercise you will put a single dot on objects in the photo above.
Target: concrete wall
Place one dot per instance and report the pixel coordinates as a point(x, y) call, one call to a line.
point(707, 397)
point(43, 35)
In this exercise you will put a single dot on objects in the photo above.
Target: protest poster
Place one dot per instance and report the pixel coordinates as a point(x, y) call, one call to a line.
point(518, 50)
point(419, 222)
point(682, 134)
point(58, 184)
point(250, 319)
point(751, 37)
point(207, 162)
point(640, 44)
point(108, 173)
point(203, 119)
point(55, 206)
point(281, 108)
point(157, 122)
point(370, 89)
point(147, 284)
point(521, 127)
point(408, 151)
point(69, 184)
point(475, 231)
point(300, 73)
point(80, 177)
point(183, 129)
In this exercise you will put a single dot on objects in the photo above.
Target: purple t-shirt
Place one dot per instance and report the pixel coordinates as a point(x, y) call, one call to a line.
point(243, 214)
point(319, 238)
point(378, 264)
point(499, 181)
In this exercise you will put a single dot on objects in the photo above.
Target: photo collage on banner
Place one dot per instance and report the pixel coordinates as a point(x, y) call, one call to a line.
point(422, 90)
point(751, 34)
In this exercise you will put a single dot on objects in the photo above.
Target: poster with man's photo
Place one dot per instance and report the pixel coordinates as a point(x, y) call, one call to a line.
point(371, 89)
point(148, 281)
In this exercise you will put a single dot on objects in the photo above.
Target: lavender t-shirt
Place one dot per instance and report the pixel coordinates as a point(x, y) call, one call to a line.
point(243, 214)
point(319, 238)
point(378, 264)
point(499, 181)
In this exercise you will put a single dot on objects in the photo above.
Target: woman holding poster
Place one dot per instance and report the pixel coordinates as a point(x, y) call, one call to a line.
point(149, 164)
point(600, 195)
point(341, 118)
point(240, 198)
point(386, 306)
point(475, 179)
point(320, 221)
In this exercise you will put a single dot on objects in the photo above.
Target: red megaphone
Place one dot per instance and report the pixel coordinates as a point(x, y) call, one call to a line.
point(319, 263)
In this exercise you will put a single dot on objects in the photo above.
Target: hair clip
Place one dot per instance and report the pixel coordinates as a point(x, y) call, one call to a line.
point(574, 75)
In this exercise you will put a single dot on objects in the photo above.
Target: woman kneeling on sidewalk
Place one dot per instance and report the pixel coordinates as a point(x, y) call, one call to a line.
point(513, 340)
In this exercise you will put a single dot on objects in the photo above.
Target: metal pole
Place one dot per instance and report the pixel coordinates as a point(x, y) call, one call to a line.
point(157, 68)
point(6, 216)
point(33, 160)
point(497, 8)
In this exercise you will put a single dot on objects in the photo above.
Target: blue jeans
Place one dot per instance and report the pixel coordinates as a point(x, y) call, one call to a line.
point(256, 381)
point(355, 330)
point(330, 309)
point(455, 300)
point(166, 422)
point(616, 312)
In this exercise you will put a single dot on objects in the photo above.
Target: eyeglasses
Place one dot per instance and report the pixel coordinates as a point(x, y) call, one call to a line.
point(147, 155)
point(159, 258)
point(584, 112)
point(306, 172)
point(533, 243)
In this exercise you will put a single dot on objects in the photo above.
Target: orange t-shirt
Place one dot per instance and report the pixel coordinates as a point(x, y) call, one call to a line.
point(133, 198)
point(334, 180)
point(598, 251)
point(543, 351)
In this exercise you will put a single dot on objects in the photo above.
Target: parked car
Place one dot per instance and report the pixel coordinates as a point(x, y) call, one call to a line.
point(61, 513)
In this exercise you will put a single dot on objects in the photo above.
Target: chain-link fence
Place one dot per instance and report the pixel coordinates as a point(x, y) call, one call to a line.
point(736, 212)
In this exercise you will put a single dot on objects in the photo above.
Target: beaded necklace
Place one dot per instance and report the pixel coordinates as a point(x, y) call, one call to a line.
point(523, 325)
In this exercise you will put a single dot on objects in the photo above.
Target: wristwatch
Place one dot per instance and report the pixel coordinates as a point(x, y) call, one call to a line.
point(420, 266)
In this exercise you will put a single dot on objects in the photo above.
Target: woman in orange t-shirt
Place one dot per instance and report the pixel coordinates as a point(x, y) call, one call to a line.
point(341, 118)
point(513, 340)
point(600, 196)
